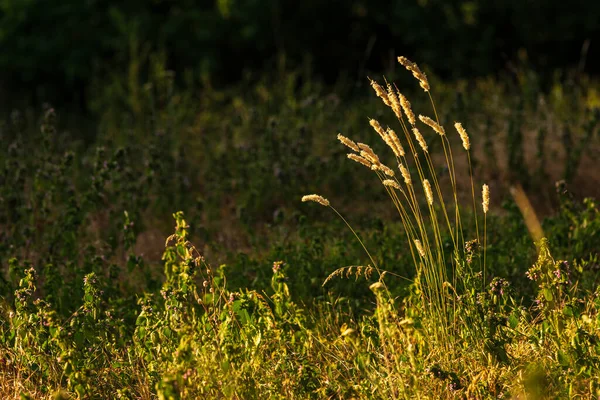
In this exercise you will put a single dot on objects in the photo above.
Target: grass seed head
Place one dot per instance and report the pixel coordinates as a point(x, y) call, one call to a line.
point(428, 191)
point(392, 95)
point(434, 125)
point(377, 126)
point(317, 199)
point(388, 140)
point(405, 174)
point(420, 139)
point(463, 135)
point(394, 102)
point(368, 153)
point(352, 270)
point(386, 170)
point(381, 93)
point(407, 109)
point(347, 142)
point(406, 63)
point(416, 71)
point(394, 143)
point(370, 156)
point(419, 247)
point(485, 193)
point(391, 183)
point(359, 159)
point(423, 82)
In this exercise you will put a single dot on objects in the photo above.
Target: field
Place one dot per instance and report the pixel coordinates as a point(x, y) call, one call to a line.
point(223, 245)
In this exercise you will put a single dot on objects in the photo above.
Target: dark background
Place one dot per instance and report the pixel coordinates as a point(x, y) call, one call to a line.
point(63, 51)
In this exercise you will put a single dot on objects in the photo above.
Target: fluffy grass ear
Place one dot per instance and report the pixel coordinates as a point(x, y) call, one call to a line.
point(433, 125)
point(347, 142)
point(414, 68)
point(420, 139)
point(463, 135)
point(316, 198)
point(485, 196)
point(428, 191)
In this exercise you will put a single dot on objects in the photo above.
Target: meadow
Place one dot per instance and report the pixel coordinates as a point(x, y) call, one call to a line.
point(286, 239)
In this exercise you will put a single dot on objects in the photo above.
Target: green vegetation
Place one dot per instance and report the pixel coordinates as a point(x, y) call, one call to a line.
point(99, 298)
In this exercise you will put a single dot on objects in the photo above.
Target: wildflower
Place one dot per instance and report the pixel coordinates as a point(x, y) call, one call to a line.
point(498, 285)
point(277, 266)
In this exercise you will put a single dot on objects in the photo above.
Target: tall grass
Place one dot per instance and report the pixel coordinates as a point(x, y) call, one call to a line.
point(430, 213)
point(455, 314)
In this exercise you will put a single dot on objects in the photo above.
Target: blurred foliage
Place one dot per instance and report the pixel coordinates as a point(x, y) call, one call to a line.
point(55, 52)
point(238, 161)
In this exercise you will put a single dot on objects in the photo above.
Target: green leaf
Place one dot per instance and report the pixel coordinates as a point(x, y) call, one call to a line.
point(167, 332)
point(80, 390)
point(141, 332)
point(563, 358)
point(79, 337)
point(513, 321)
point(141, 319)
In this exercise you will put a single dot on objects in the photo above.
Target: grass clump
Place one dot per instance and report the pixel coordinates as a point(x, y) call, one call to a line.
point(423, 224)
point(463, 314)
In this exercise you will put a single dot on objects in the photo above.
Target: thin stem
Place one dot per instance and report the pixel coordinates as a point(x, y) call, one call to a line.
point(473, 195)
point(484, 245)
point(358, 238)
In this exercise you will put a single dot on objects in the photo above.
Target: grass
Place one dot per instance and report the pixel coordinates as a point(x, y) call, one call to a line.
point(444, 296)
point(453, 315)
